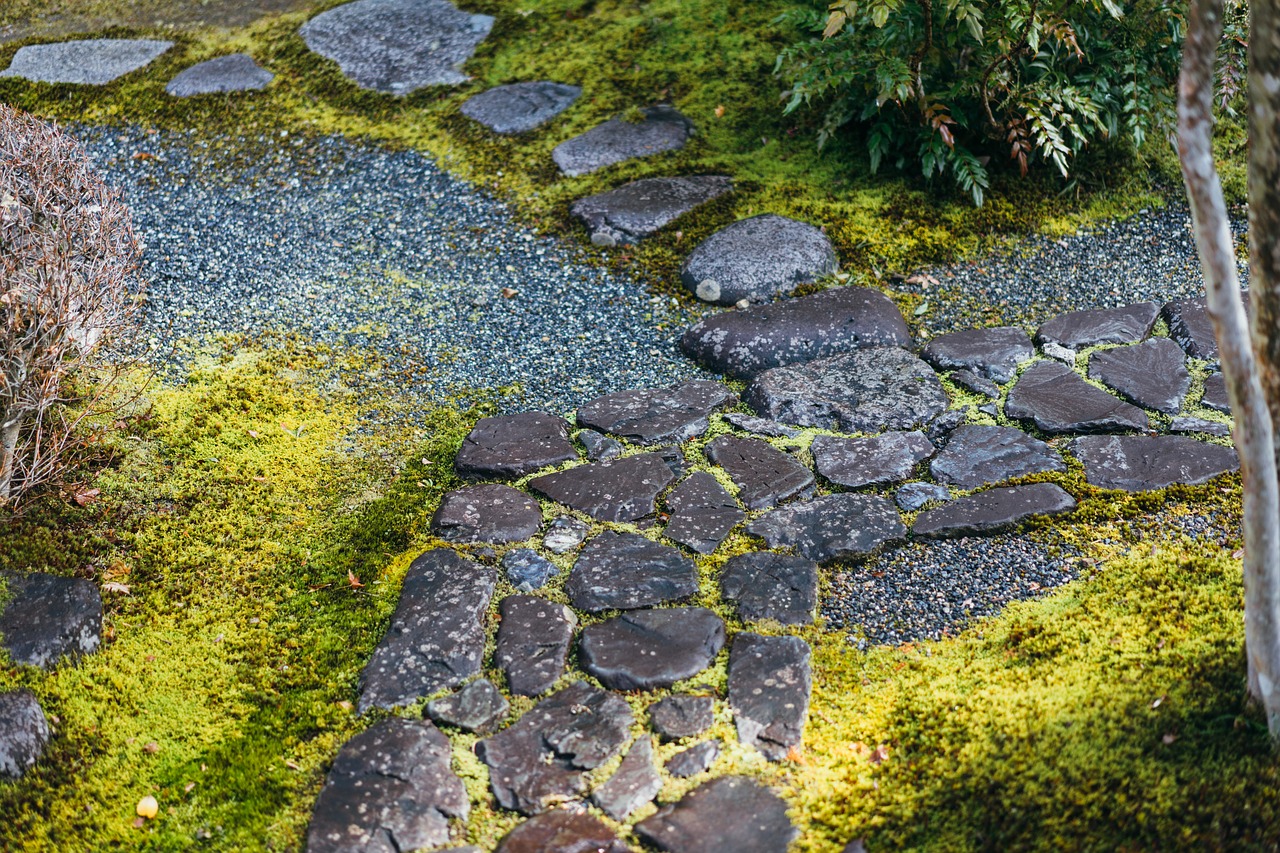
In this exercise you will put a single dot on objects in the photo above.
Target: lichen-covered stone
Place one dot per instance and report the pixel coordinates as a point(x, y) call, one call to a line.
point(694, 760)
point(769, 685)
point(702, 513)
point(47, 618)
point(978, 455)
point(764, 475)
point(832, 527)
point(487, 513)
point(994, 353)
point(1152, 374)
point(874, 461)
point(732, 813)
point(657, 415)
point(1138, 463)
point(763, 585)
point(642, 208)
point(624, 571)
point(992, 511)
point(533, 643)
point(1079, 329)
point(94, 62)
point(520, 107)
point(477, 707)
point(562, 831)
point(757, 259)
point(235, 72)
point(681, 715)
point(662, 129)
point(24, 732)
point(635, 782)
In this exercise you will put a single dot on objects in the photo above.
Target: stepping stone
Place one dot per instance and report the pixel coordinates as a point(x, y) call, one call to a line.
point(864, 391)
point(694, 760)
point(832, 527)
point(624, 571)
point(730, 813)
point(390, 788)
point(876, 461)
point(760, 426)
point(941, 427)
point(978, 455)
point(641, 208)
point(436, 637)
point(992, 511)
point(48, 618)
point(564, 534)
point(993, 353)
point(1186, 424)
point(674, 457)
point(1152, 374)
point(542, 758)
point(912, 496)
point(527, 569)
point(972, 382)
point(1191, 328)
point(488, 513)
point(1215, 394)
point(623, 490)
point(657, 415)
point(235, 72)
point(478, 707)
point(681, 715)
point(662, 129)
point(397, 46)
point(782, 587)
point(514, 445)
point(635, 783)
point(533, 643)
point(1058, 400)
point(764, 475)
point(743, 343)
point(600, 448)
point(758, 259)
point(520, 107)
point(1079, 329)
point(94, 62)
point(769, 685)
point(651, 649)
point(702, 513)
point(1144, 463)
point(24, 731)
point(562, 831)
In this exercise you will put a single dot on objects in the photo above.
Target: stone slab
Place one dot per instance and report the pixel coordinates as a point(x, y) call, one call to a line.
point(561, 831)
point(757, 259)
point(635, 783)
point(681, 715)
point(24, 732)
point(702, 513)
point(992, 511)
point(1152, 374)
point(764, 475)
point(994, 353)
point(235, 72)
point(668, 415)
point(874, 461)
point(1079, 329)
point(662, 129)
point(528, 570)
point(694, 760)
point(769, 685)
point(622, 490)
point(48, 618)
point(1138, 463)
point(913, 496)
point(978, 455)
point(1215, 394)
point(520, 107)
point(564, 534)
point(478, 707)
point(511, 446)
point(832, 527)
point(651, 649)
point(1200, 425)
point(760, 426)
point(732, 813)
point(641, 208)
point(487, 513)
point(1057, 400)
point(93, 62)
point(625, 571)
point(781, 587)
point(533, 643)
point(1191, 328)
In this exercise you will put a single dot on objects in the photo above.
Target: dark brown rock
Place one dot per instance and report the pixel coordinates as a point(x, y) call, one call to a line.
point(48, 618)
point(514, 445)
point(1079, 329)
point(782, 587)
point(764, 475)
point(994, 353)
point(635, 783)
point(477, 707)
point(702, 513)
point(489, 513)
point(1143, 463)
point(769, 685)
point(625, 570)
point(832, 527)
point(1058, 400)
point(992, 511)
point(533, 643)
point(622, 490)
point(979, 455)
point(650, 649)
point(732, 813)
point(641, 208)
point(875, 461)
point(657, 415)
point(1152, 374)
point(681, 715)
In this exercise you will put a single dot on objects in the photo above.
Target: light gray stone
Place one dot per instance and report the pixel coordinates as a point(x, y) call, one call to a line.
point(95, 62)
point(758, 259)
point(662, 129)
point(47, 618)
point(520, 107)
point(24, 732)
point(641, 208)
point(235, 72)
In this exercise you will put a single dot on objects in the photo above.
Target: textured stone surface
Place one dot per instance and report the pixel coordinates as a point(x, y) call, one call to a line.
point(540, 760)
point(488, 513)
point(390, 788)
point(514, 445)
point(994, 353)
point(562, 831)
point(92, 61)
point(657, 415)
point(864, 391)
point(912, 496)
point(641, 208)
point(1191, 328)
point(533, 643)
point(397, 46)
point(970, 381)
point(1152, 374)
point(564, 534)
point(732, 813)
point(992, 510)
point(764, 475)
point(702, 513)
point(235, 72)
point(520, 107)
point(832, 527)
point(477, 707)
point(436, 637)
point(760, 426)
point(625, 571)
point(649, 649)
point(769, 685)
point(48, 617)
point(1079, 329)
point(1058, 400)
point(600, 448)
point(681, 715)
point(1215, 394)
point(977, 455)
point(634, 783)
point(527, 569)
point(782, 587)
point(1187, 424)
point(622, 490)
point(694, 760)
point(24, 731)
point(874, 461)
point(1141, 463)
point(757, 259)
point(662, 129)
point(743, 343)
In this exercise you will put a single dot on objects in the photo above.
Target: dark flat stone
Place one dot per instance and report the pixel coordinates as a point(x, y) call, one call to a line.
point(1215, 394)
point(1058, 400)
point(541, 759)
point(235, 72)
point(765, 476)
point(657, 415)
point(1200, 425)
point(972, 382)
point(514, 445)
point(702, 513)
point(533, 643)
point(1142, 463)
point(564, 534)
point(641, 208)
point(1152, 374)
point(24, 731)
point(940, 428)
point(912, 496)
point(562, 831)
point(994, 353)
point(477, 707)
point(832, 527)
point(622, 490)
point(875, 461)
point(488, 513)
point(864, 391)
point(391, 788)
point(694, 760)
point(1191, 328)
point(1079, 329)
point(730, 813)
point(681, 715)
point(760, 426)
point(662, 129)
point(94, 62)
point(650, 649)
point(635, 783)
point(600, 448)
point(781, 587)
point(743, 343)
point(527, 569)
point(769, 685)
point(49, 617)
point(979, 455)
point(625, 570)
point(992, 511)
point(436, 637)
point(757, 259)
point(520, 107)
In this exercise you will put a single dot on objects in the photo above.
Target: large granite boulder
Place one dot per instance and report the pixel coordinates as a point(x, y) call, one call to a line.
point(832, 527)
point(757, 259)
point(487, 513)
point(1055, 397)
point(1079, 329)
point(977, 455)
point(24, 732)
point(764, 475)
point(668, 415)
point(732, 813)
point(533, 643)
point(650, 649)
point(992, 511)
point(622, 490)
point(625, 571)
point(994, 353)
point(1152, 374)
point(47, 618)
point(95, 62)
point(769, 685)
point(641, 208)
point(662, 129)
point(235, 72)
point(514, 445)
point(874, 461)
point(520, 107)
point(1139, 463)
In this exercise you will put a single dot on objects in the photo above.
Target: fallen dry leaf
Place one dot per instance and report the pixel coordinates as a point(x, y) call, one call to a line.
point(116, 587)
point(509, 292)
point(84, 497)
point(1169, 738)
point(880, 755)
point(353, 580)
point(292, 765)
point(720, 111)
point(189, 787)
point(152, 747)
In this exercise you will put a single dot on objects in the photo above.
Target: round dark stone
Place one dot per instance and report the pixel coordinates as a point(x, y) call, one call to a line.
point(489, 513)
point(625, 571)
point(757, 259)
point(649, 649)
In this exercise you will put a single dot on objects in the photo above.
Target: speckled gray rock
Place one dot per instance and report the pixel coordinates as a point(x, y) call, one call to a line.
point(694, 760)
point(622, 490)
point(641, 208)
point(527, 569)
point(561, 831)
point(681, 715)
point(235, 72)
point(24, 731)
point(600, 448)
point(520, 107)
point(769, 685)
point(760, 426)
point(1215, 394)
point(662, 129)
point(625, 570)
point(743, 343)
point(757, 259)
point(564, 534)
point(533, 643)
point(832, 527)
point(970, 381)
point(702, 513)
point(436, 637)
point(390, 788)
point(764, 475)
point(657, 415)
point(940, 428)
point(992, 511)
point(95, 62)
point(1152, 374)
point(634, 783)
point(994, 353)
point(397, 46)
point(1200, 425)
point(864, 391)
point(978, 455)
point(875, 461)
point(1058, 400)
point(782, 587)
point(477, 707)
point(913, 496)
point(1079, 329)
point(514, 445)
point(1141, 463)
point(48, 617)
point(489, 513)
point(650, 649)
point(730, 813)
point(540, 760)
